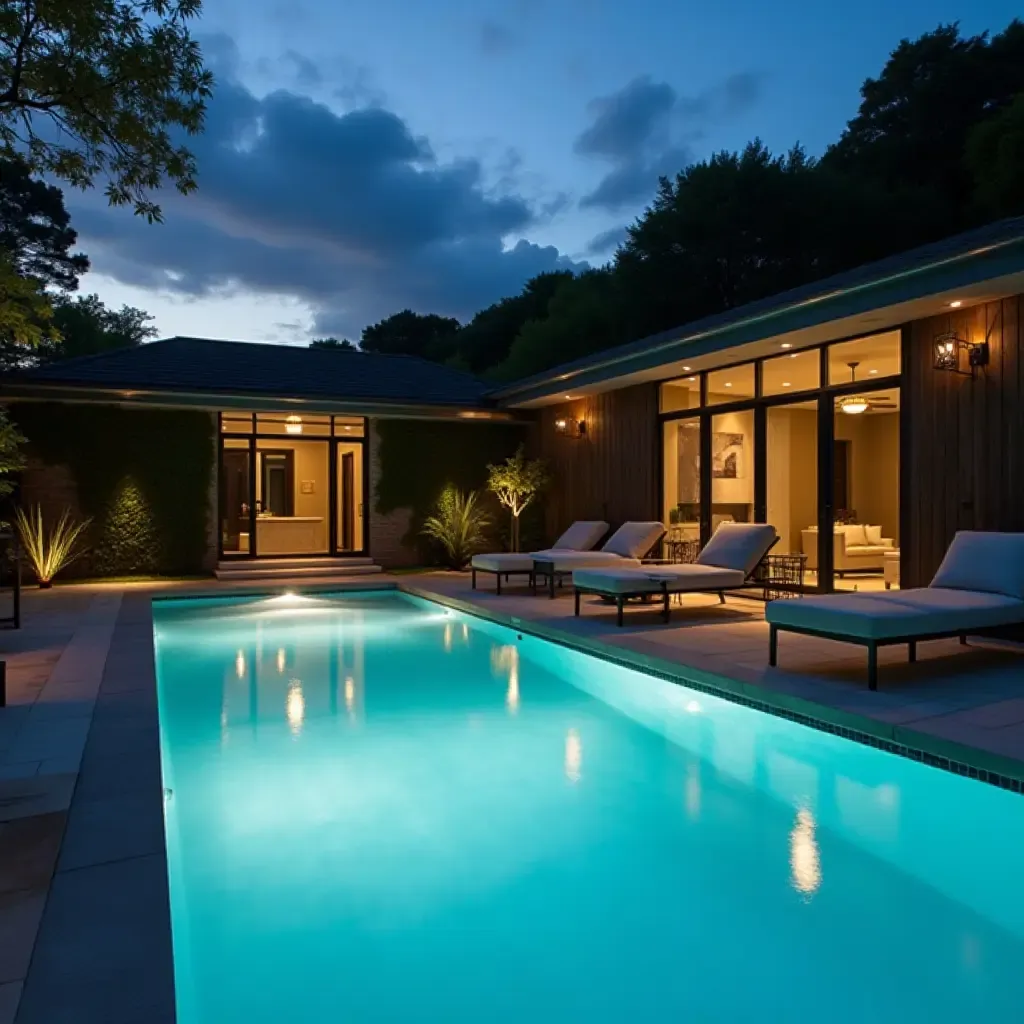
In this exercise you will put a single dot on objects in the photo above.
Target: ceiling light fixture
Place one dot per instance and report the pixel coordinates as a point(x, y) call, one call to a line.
point(293, 424)
point(786, 384)
point(854, 405)
point(728, 384)
point(872, 372)
point(686, 369)
point(786, 344)
point(955, 304)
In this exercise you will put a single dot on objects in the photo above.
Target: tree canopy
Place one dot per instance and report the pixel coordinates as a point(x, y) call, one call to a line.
point(412, 334)
point(103, 88)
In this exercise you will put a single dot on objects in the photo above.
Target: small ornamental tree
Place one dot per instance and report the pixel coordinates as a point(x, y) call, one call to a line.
point(516, 482)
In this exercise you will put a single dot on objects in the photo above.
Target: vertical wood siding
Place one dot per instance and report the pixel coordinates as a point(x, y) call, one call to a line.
point(612, 472)
point(965, 438)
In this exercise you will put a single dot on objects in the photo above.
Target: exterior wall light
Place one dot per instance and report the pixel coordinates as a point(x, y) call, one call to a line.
point(949, 348)
point(570, 427)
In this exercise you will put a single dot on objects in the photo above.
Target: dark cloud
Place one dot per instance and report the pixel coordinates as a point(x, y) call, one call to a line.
point(605, 243)
point(496, 39)
point(647, 129)
point(352, 213)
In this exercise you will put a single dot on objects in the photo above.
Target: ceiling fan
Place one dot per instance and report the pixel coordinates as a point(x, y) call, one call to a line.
point(854, 405)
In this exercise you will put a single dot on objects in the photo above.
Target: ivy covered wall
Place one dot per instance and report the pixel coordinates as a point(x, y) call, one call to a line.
point(417, 458)
point(142, 476)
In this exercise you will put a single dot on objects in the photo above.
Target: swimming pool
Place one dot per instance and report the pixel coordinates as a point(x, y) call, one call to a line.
point(381, 810)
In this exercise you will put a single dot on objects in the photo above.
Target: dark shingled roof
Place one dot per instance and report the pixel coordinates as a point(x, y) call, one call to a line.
point(200, 365)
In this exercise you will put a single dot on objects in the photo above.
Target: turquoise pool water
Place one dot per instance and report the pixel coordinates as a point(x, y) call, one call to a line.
point(381, 811)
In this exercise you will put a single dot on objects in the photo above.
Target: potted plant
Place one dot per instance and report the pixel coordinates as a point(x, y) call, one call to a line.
point(516, 482)
point(49, 552)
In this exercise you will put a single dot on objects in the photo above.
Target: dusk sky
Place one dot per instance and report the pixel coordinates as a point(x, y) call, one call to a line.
point(369, 155)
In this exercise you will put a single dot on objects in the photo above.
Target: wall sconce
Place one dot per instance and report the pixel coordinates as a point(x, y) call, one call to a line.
point(570, 427)
point(948, 349)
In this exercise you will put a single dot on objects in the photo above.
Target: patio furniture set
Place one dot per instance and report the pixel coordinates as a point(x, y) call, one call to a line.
point(979, 587)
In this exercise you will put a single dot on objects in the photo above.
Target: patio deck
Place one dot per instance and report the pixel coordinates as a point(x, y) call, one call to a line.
point(84, 913)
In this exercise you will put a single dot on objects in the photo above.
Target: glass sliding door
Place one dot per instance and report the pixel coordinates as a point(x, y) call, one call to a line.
point(732, 468)
point(235, 501)
point(292, 497)
point(681, 443)
point(866, 490)
point(350, 498)
point(791, 455)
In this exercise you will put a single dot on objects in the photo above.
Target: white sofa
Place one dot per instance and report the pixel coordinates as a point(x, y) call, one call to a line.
point(978, 587)
point(856, 547)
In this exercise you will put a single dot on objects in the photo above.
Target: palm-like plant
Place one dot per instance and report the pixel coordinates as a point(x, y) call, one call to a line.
point(458, 525)
point(49, 551)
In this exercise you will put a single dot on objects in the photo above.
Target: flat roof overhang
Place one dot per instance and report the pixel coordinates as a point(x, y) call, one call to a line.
point(12, 390)
point(980, 275)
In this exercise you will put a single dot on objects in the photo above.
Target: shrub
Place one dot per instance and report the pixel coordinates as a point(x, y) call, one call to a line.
point(457, 525)
point(49, 552)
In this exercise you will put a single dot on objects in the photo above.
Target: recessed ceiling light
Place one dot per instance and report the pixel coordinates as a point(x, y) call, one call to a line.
point(872, 371)
point(793, 355)
point(786, 344)
point(691, 378)
point(686, 369)
point(786, 384)
point(568, 398)
point(727, 384)
point(956, 304)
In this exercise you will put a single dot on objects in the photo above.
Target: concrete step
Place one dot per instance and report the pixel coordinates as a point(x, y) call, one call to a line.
point(298, 568)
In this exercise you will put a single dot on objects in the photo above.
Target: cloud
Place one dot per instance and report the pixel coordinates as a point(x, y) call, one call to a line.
point(352, 213)
point(606, 242)
point(646, 130)
point(495, 39)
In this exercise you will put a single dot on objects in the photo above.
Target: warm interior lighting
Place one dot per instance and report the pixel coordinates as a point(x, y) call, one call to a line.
point(686, 369)
point(786, 344)
point(854, 405)
point(728, 384)
point(786, 384)
point(873, 372)
point(955, 304)
point(691, 378)
point(293, 424)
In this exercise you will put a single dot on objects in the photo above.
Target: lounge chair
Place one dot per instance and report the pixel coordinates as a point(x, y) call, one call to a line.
point(625, 547)
point(581, 536)
point(726, 563)
point(979, 587)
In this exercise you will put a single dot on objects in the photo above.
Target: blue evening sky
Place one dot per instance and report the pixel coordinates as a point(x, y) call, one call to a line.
point(369, 155)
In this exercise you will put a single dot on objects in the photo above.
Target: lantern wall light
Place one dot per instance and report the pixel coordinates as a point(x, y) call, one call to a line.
point(949, 354)
point(570, 427)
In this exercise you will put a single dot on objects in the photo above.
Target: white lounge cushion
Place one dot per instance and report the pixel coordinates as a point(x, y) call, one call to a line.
point(738, 546)
point(581, 536)
point(863, 550)
point(897, 613)
point(634, 540)
point(992, 563)
point(855, 533)
point(567, 561)
point(503, 561)
point(649, 579)
point(873, 534)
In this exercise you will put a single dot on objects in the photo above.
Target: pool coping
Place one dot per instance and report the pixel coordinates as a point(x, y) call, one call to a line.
point(104, 951)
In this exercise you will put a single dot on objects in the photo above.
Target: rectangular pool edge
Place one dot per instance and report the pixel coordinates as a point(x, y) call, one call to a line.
point(947, 755)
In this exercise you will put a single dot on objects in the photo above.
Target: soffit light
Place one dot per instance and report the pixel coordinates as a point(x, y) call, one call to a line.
point(293, 424)
point(955, 304)
point(786, 344)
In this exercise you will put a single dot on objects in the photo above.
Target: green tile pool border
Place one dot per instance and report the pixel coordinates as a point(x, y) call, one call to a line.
point(948, 755)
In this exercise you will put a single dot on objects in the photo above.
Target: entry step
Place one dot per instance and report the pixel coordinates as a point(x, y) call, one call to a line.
point(299, 568)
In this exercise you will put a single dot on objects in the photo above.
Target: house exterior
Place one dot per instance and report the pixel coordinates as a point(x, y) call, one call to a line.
point(867, 416)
